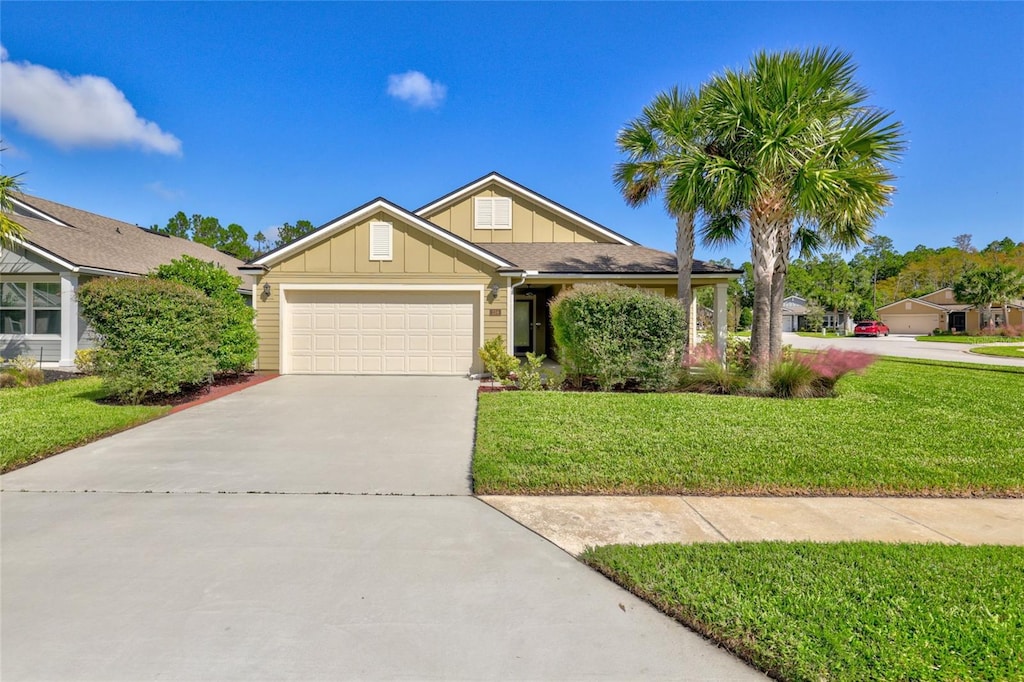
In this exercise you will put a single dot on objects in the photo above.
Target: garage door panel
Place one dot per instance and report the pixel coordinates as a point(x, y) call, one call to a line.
point(382, 332)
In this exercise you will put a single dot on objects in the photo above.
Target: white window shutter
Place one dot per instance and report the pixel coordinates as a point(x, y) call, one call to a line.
point(502, 213)
point(484, 213)
point(380, 241)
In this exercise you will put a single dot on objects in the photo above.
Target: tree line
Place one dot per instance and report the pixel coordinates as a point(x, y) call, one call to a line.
point(232, 239)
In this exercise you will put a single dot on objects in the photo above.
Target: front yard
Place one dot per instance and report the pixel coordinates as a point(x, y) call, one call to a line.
point(842, 611)
point(970, 340)
point(40, 421)
point(906, 427)
point(1001, 351)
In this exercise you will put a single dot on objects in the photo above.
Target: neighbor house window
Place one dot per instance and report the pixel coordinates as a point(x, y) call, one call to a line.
point(493, 213)
point(30, 308)
point(380, 241)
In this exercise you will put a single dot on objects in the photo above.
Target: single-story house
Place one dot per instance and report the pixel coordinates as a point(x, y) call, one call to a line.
point(941, 310)
point(794, 309)
point(65, 247)
point(386, 290)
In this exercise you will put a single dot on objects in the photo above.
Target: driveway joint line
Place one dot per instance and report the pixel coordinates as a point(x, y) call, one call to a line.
point(706, 520)
point(913, 520)
point(232, 492)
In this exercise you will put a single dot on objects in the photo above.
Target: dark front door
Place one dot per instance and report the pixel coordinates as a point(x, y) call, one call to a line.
point(523, 324)
point(957, 322)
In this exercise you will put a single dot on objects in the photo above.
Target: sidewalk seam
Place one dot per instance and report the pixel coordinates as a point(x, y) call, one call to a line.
point(686, 500)
point(913, 520)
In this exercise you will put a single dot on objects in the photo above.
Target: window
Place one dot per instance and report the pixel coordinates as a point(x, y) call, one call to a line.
point(30, 308)
point(380, 241)
point(493, 213)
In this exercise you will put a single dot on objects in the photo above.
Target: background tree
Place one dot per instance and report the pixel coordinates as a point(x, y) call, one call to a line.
point(10, 229)
point(261, 243)
point(977, 288)
point(288, 233)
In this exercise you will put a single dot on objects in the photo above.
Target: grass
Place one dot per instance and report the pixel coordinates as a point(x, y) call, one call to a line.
point(1001, 351)
point(905, 427)
point(841, 611)
point(41, 421)
point(819, 335)
point(960, 338)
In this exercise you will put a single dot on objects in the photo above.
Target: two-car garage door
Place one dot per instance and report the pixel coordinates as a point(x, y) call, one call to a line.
point(380, 332)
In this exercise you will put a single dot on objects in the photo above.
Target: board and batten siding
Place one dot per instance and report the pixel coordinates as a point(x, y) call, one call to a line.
point(418, 258)
point(531, 223)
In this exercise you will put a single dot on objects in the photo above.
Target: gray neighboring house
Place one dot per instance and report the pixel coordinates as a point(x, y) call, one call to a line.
point(794, 308)
point(65, 247)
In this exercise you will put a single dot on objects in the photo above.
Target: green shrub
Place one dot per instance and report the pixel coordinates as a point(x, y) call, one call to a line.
point(618, 335)
point(85, 360)
point(792, 379)
point(154, 336)
point(528, 376)
point(21, 377)
point(238, 341)
point(498, 362)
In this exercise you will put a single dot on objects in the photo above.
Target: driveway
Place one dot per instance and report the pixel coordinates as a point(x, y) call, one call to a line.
point(901, 346)
point(307, 528)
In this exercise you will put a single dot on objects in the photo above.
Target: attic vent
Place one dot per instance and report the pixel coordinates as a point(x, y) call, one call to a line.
point(380, 241)
point(493, 213)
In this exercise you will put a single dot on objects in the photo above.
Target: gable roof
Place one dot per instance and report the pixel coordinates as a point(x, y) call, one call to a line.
point(590, 258)
point(512, 186)
point(78, 239)
point(914, 300)
point(363, 212)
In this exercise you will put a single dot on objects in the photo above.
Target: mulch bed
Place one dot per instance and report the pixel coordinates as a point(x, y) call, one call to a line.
point(190, 396)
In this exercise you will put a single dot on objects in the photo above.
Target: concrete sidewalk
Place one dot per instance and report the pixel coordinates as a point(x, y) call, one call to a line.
point(575, 522)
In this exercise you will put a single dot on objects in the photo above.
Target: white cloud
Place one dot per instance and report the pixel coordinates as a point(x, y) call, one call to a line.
point(166, 193)
point(416, 89)
point(76, 111)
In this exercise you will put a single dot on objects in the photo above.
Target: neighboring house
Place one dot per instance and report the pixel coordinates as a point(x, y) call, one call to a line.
point(794, 309)
point(385, 290)
point(941, 310)
point(65, 247)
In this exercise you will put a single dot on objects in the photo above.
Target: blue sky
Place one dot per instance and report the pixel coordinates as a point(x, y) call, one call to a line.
point(261, 113)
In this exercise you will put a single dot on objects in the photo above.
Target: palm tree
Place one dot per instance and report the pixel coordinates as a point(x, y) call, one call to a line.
point(984, 287)
point(9, 228)
point(793, 146)
point(666, 130)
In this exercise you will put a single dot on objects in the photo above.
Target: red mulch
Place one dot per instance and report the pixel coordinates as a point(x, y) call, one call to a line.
point(203, 393)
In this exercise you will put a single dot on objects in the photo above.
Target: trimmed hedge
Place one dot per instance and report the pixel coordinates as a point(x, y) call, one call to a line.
point(238, 341)
point(155, 335)
point(618, 335)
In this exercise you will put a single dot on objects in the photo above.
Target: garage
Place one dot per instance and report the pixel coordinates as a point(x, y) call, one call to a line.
point(911, 324)
point(380, 332)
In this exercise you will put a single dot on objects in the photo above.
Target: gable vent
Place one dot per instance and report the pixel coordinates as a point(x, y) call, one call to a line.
point(380, 241)
point(493, 213)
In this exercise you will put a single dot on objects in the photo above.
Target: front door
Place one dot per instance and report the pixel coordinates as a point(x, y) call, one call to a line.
point(957, 322)
point(523, 325)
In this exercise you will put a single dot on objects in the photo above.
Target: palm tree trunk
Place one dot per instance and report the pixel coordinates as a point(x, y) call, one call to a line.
point(684, 262)
point(779, 293)
point(763, 253)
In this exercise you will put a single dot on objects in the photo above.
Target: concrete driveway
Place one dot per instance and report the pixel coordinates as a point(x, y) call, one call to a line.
point(901, 346)
point(306, 528)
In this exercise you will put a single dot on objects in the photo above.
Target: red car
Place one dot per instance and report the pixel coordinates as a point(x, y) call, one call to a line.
point(870, 328)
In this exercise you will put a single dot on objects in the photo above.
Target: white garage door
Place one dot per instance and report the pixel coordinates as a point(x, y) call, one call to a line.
point(349, 332)
point(911, 324)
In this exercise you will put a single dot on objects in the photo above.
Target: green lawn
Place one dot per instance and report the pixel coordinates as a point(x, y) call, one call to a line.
point(843, 611)
point(904, 427)
point(1001, 351)
point(970, 339)
point(818, 335)
point(41, 421)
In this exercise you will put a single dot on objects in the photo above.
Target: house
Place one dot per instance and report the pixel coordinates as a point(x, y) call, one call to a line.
point(65, 247)
point(794, 309)
point(941, 310)
point(385, 290)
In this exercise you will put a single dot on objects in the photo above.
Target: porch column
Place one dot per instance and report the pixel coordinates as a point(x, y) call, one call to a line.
point(721, 318)
point(68, 318)
point(691, 334)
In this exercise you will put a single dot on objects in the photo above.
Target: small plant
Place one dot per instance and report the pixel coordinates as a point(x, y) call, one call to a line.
point(498, 362)
point(831, 365)
point(528, 376)
point(85, 360)
point(792, 379)
point(24, 363)
point(13, 377)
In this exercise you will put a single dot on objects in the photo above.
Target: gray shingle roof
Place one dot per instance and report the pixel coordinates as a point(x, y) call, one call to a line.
point(595, 258)
point(95, 241)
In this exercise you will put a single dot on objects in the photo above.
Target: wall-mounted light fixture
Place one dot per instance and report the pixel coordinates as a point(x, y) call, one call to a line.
point(494, 290)
point(266, 288)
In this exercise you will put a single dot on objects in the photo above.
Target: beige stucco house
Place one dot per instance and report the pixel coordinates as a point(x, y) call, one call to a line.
point(385, 290)
point(941, 310)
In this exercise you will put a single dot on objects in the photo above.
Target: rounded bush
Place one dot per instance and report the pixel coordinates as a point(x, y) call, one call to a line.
point(618, 335)
point(154, 336)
